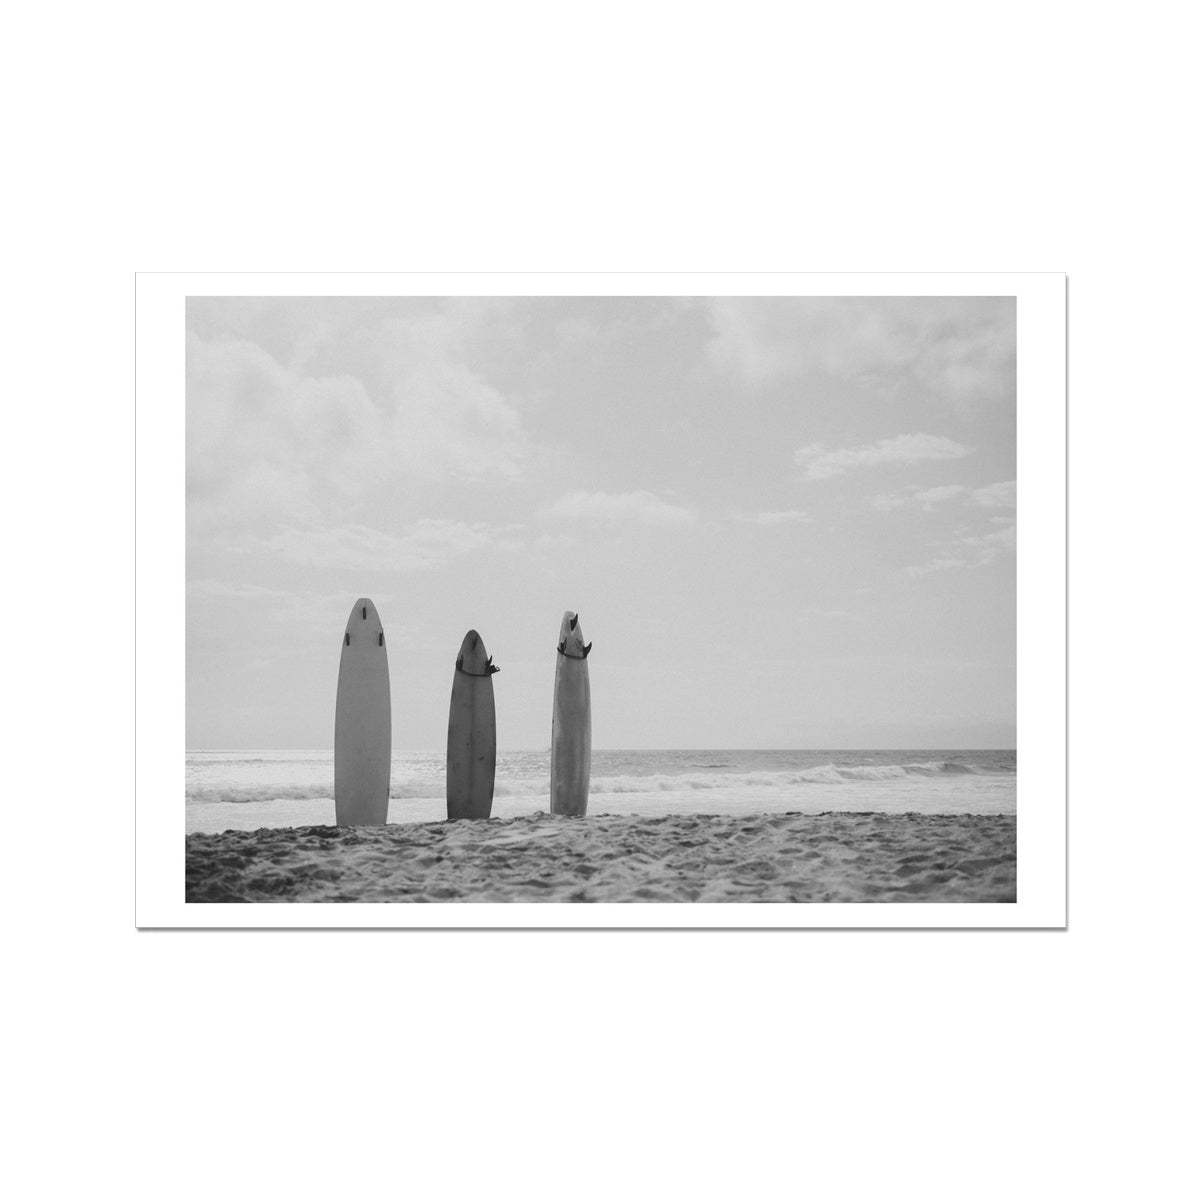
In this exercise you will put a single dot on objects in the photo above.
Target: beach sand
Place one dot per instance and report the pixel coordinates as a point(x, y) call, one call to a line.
point(772, 857)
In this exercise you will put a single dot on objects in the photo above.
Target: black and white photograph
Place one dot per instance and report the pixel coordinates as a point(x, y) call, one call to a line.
point(639, 600)
point(599, 600)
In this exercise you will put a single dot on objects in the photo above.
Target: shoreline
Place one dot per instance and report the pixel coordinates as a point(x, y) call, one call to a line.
point(789, 857)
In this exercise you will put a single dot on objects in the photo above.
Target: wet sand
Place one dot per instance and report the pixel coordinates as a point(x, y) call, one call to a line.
point(773, 857)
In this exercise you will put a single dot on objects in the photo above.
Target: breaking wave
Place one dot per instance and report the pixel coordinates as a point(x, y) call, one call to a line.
point(259, 794)
point(266, 793)
point(829, 773)
point(433, 786)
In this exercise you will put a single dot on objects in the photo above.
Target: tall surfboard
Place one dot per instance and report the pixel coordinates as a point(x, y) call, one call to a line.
point(471, 740)
point(362, 737)
point(571, 729)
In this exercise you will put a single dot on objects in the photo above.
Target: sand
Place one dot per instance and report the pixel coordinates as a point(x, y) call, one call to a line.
point(775, 857)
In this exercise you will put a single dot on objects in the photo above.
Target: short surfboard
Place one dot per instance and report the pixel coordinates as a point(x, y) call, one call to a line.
point(571, 729)
point(471, 740)
point(362, 738)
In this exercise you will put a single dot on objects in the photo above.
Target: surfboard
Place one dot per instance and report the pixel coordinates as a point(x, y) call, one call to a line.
point(571, 728)
point(362, 736)
point(471, 740)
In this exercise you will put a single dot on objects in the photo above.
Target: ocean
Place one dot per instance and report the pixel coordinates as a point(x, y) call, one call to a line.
point(254, 789)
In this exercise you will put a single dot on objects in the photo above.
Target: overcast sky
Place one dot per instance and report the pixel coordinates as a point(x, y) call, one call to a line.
point(784, 522)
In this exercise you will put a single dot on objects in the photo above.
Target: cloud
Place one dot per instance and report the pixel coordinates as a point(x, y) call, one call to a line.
point(956, 351)
point(936, 495)
point(220, 589)
point(996, 495)
point(788, 517)
point(820, 463)
point(990, 546)
point(973, 550)
point(969, 549)
point(263, 441)
point(938, 564)
point(993, 495)
point(223, 615)
point(423, 546)
point(269, 443)
point(445, 421)
point(641, 507)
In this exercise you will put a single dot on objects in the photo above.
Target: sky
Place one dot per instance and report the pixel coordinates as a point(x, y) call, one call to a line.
point(784, 522)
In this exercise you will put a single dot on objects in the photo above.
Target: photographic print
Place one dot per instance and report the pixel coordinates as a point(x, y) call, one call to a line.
point(655, 602)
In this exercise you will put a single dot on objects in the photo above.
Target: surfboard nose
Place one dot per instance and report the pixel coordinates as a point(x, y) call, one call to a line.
point(473, 655)
point(363, 623)
point(570, 635)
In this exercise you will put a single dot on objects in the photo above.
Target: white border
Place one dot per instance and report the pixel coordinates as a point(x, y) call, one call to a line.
point(1041, 604)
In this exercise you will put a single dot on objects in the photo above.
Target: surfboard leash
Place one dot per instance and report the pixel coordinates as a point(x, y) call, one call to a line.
point(562, 649)
point(491, 670)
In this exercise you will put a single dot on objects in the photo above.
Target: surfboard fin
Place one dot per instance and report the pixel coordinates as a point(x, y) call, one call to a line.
point(574, 620)
point(347, 637)
point(381, 637)
point(364, 612)
point(458, 663)
point(562, 647)
point(587, 649)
